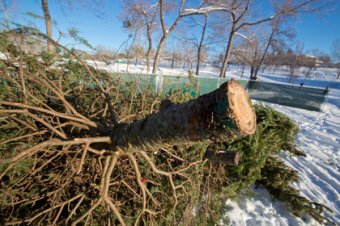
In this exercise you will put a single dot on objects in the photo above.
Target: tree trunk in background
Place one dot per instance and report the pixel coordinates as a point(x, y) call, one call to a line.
point(148, 55)
point(201, 44)
point(218, 116)
point(172, 62)
point(227, 53)
point(166, 33)
point(253, 66)
point(48, 23)
point(243, 66)
point(158, 55)
point(265, 52)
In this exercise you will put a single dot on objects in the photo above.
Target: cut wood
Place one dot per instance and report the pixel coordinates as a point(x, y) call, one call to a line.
point(227, 158)
point(218, 115)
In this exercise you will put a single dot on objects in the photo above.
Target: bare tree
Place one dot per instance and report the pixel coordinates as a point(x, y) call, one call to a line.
point(173, 55)
point(182, 12)
point(138, 53)
point(104, 54)
point(239, 10)
point(201, 41)
point(48, 24)
point(200, 45)
point(142, 14)
point(140, 9)
point(293, 60)
point(256, 66)
point(165, 32)
point(336, 55)
point(241, 59)
point(189, 56)
point(93, 5)
point(277, 33)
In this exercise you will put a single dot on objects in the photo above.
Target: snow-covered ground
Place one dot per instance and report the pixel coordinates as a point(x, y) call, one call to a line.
point(319, 138)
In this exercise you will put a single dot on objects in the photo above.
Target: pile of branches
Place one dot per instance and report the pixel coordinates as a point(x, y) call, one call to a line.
point(57, 162)
point(58, 165)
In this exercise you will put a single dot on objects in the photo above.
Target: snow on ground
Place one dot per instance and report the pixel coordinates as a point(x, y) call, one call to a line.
point(259, 209)
point(164, 69)
point(319, 138)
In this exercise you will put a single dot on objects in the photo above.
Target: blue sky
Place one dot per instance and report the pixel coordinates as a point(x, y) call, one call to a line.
point(106, 29)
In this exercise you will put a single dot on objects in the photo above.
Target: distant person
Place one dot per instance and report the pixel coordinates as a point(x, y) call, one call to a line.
point(251, 72)
point(325, 91)
point(302, 83)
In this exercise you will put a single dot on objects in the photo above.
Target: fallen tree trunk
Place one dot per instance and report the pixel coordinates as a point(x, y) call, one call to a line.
point(218, 116)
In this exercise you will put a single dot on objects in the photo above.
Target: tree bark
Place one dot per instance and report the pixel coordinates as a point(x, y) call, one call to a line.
point(243, 66)
point(48, 23)
point(265, 52)
point(217, 116)
point(166, 33)
point(253, 66)
point(158, 55)
point(199, 51)
point(227, 53)
point(173, 61)
point(148, 55)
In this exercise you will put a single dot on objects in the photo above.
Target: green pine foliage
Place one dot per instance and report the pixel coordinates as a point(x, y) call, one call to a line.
point(275, 132)
point(261, 165)
point(277, 178)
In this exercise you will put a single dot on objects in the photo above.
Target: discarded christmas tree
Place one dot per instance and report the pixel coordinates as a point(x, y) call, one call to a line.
point(71, 152)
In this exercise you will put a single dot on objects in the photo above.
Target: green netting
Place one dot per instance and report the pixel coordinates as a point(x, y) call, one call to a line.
point(142, 80)
point(206, 85)
point(243, 82)
point(289, 95)
point(168, 83)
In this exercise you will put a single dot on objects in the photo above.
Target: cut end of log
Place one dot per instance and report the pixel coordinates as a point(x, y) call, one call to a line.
point(241, 108)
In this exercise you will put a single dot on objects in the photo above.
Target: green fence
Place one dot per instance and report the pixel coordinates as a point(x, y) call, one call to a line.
point(283, 94)
point(290, 95)
point(168, 83)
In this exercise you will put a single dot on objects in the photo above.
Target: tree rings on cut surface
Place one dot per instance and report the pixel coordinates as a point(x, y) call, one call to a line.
point(241, 108)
